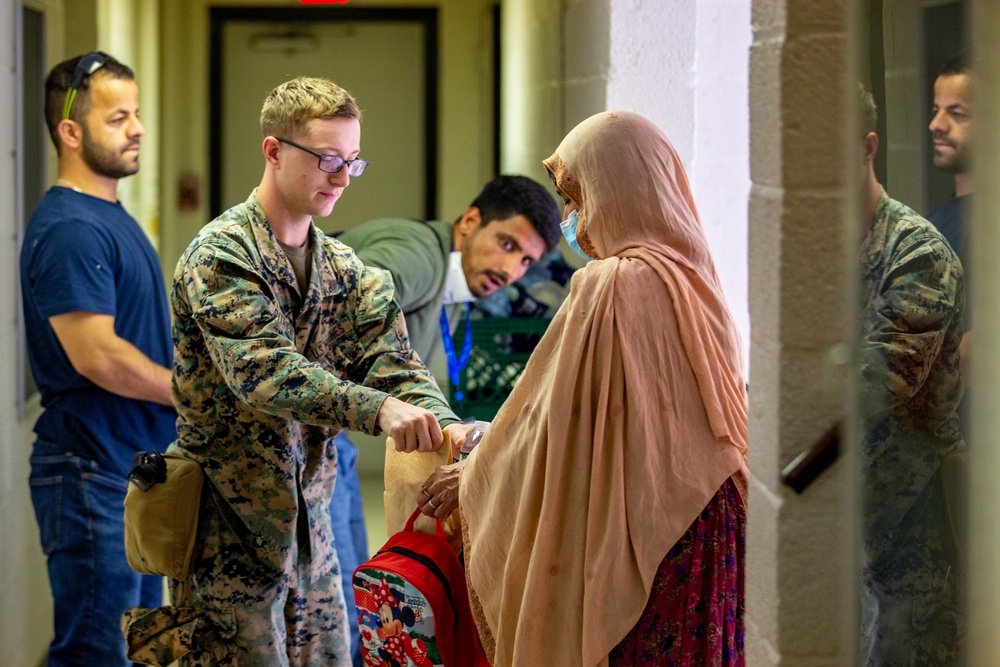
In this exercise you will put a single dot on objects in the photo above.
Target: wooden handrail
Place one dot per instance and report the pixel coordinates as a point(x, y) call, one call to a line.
point(810, 464)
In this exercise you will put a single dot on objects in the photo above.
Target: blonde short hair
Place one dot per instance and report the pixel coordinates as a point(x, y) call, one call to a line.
point(290, 106)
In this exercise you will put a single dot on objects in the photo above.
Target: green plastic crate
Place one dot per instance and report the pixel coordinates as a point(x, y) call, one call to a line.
point(500, 349)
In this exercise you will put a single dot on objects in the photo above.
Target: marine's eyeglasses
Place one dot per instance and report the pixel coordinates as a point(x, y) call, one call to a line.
point(331, 164)
point(88, 64)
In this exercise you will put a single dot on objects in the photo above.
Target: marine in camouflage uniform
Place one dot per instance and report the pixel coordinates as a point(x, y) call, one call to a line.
point(910, 390)
point(263, 382)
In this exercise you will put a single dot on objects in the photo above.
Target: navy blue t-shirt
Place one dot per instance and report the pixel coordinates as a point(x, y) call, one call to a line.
point(951, 219)
point(82, 253)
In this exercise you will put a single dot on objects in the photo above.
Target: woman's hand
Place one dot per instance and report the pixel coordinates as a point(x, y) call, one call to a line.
point(438, 496)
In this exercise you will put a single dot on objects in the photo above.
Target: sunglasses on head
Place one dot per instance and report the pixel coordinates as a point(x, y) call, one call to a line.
point(88, 64)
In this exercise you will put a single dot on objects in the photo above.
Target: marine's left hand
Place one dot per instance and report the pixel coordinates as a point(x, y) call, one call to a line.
point(458, 432)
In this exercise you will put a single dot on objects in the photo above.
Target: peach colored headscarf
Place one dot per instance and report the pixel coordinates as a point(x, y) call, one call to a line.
point(627, 419)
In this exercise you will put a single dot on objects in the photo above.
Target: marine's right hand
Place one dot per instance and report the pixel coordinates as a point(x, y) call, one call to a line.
point(412, 428)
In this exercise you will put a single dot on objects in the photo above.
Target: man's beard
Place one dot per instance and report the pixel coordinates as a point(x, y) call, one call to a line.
point(953, 162)
point(104, 161)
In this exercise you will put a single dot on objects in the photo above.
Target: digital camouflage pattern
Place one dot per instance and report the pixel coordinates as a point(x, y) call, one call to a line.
point(232, 614)
point(910, 388)
point(263, 381)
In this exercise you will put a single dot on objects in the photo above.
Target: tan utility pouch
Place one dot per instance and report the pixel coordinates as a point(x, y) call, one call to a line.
point(161, 514)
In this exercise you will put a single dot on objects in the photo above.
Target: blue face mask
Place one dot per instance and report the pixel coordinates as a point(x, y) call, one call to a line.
point(568, 227)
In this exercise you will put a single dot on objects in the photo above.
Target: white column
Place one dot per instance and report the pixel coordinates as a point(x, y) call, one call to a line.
point(129, 31)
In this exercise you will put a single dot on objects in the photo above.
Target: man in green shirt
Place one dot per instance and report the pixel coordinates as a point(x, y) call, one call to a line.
point(437, 268)
point(506, 229)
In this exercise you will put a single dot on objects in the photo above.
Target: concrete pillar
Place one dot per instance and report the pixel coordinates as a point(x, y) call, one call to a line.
point(588, 35)
point(531, 84)
point(800, 547)
point(129, 30)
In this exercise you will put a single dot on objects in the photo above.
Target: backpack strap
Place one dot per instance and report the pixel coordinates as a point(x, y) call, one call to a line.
point(413, 517)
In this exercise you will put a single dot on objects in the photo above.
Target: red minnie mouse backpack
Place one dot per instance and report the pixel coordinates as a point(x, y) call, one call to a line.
point(413, 606)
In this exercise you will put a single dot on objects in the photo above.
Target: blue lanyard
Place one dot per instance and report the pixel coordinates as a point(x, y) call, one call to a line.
point(455, 366)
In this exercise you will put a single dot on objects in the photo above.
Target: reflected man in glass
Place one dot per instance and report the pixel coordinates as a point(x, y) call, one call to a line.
point(951, 129)
point(910, 388)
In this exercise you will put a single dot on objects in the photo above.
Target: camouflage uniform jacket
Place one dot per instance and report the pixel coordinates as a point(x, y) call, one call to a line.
point(910, 388)
point(262, 382)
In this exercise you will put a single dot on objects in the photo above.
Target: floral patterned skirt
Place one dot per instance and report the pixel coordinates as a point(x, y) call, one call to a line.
point(695, 611)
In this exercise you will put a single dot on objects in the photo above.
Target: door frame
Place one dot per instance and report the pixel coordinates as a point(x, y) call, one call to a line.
point(426, 16)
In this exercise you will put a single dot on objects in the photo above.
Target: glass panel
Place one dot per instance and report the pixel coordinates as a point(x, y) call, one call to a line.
point(914, 319)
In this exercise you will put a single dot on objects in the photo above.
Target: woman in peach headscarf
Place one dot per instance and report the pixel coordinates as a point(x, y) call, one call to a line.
point(603, 512)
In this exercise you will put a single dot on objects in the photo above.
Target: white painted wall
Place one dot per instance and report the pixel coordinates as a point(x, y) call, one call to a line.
point(691, 77)
point(689, 74)
point(720, 169)
point(653, 71)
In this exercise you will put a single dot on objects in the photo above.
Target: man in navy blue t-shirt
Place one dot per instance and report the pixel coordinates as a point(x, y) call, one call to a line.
point(98, 333)
point(951, 131)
